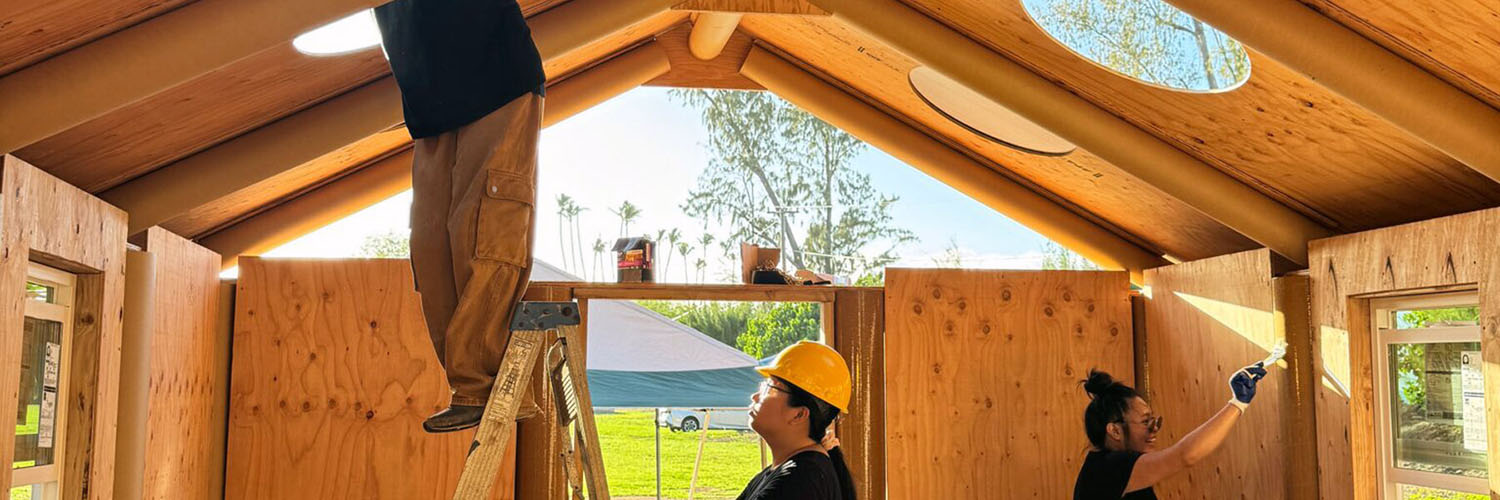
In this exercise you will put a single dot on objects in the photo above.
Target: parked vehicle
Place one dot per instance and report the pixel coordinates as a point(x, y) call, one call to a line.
point(688, 420)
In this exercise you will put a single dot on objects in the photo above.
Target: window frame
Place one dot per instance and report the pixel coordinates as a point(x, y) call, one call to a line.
point(1386, 334)
point(49, 478)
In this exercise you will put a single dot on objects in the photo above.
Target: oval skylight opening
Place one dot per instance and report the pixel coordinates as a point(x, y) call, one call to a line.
point(983, 116)
point(1147, 40)
point(343, 36)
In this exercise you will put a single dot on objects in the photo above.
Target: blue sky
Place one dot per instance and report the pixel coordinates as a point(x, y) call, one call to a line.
point(646, 148)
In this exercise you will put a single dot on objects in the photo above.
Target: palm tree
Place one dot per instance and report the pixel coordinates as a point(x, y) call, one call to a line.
point(700, 265)
point(598, 257)
point(673, 237)
point(628, 213)
point(685, 248)
point(564, 212)
point(704, 242)
point(577, 241)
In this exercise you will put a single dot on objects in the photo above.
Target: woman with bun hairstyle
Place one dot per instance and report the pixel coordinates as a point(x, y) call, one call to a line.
point(1124, 462)
point(805, 389)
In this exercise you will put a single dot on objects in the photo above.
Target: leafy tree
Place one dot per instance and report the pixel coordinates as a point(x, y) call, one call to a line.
point(783, 324)
point(1055, 256)
point(389, 245)
point(1411, 359)
point(779, 177)
point(951, 258)
point(724, 321)
point(1146, 39)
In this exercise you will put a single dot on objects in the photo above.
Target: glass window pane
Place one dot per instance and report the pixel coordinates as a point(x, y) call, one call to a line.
point(36, 413)
point(28, 492)
point(1409, 492)
point(1437, 408)
point(41, 293)
point(1407, 319)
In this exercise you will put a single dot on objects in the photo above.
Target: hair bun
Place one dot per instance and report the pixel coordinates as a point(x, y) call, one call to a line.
point(1098, 382)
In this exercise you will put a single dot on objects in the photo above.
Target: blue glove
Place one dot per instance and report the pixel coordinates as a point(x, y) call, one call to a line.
point(1242, 384)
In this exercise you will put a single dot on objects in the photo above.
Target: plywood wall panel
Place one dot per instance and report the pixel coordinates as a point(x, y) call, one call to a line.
point(1204, 321)
point(45, 220)
point(182, 431)
point(1451, 252)
point(332, 376)
point(983, 369)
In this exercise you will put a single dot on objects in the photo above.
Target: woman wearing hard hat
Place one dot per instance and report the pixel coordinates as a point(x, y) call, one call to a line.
point(806, 387)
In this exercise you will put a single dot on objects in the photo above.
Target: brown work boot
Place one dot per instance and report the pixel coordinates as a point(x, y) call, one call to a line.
point(453, 418)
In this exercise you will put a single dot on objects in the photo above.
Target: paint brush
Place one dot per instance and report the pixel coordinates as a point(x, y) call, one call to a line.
point(1276, 354)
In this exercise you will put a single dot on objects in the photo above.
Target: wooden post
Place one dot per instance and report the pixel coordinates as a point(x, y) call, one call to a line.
point(693, 484)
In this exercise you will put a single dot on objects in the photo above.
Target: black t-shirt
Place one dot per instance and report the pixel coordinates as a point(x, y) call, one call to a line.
point(806, 476)
point(457, 60)
point(1104, 476)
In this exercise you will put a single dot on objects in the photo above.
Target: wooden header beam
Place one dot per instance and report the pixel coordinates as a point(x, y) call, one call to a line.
point(78, 85)
point(302, 137)
point(785, 7)
point(1362, 71)
point(1079, 121)
point(388, 177)
point(952, 167)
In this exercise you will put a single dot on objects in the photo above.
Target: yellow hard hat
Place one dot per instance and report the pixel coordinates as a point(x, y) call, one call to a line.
point(817, 369)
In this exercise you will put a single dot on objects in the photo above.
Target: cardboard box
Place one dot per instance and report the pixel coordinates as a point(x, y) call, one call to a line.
point(753, 257)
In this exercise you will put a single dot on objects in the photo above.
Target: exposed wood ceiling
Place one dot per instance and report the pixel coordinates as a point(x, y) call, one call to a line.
point(1280, 133)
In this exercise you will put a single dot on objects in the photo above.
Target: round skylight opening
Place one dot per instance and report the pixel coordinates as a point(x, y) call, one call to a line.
point(1146, 40)
point(983, 116)
point(353, 33)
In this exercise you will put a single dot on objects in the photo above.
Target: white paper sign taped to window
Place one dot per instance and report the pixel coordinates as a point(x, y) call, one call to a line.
point(51, 368)
point(1473, 384)
point(48, 416)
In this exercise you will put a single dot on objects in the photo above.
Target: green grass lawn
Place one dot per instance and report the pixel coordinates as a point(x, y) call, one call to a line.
point(626, 438)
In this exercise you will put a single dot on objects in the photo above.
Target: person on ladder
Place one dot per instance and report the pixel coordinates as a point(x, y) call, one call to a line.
point(471, 85)
point(805, 389)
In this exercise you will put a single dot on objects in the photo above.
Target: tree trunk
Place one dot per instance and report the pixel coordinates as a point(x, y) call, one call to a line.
point(1208, 67)
point(786, 226)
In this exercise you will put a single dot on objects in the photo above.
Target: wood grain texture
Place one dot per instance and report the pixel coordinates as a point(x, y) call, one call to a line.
point(859, 335)
point(32, 30)
point(984, 370)
point(1205, 320)
point(1432, 255)
point(120, 145)
point(46, 220)
point(289, 184)
point(183, 424)
point(1079, 179)
point(332, 375)
point(790, 7)
point(586, 56)
point(1454, 40)
point(687, 71)
point(1266, 133)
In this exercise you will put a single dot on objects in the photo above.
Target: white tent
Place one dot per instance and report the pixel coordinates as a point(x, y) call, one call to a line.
point(638, 358)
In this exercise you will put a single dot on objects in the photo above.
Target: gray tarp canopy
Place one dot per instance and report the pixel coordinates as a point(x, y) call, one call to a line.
point(640, 359)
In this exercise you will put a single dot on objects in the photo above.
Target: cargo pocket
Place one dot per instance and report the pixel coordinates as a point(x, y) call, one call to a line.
point(505, 217)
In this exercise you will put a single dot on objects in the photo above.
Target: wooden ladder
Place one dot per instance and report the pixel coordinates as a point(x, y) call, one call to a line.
point(535, 326)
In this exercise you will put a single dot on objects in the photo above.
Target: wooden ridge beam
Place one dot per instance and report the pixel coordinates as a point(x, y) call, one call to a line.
point(267, 151)
point(78, 85)
point(1135, 151)
point(711, 31)
point(387, 177)
point(774, 7)
point(950, 166)
point(1362, 71)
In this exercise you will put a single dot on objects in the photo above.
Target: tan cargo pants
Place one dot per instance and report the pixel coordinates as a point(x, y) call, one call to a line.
point(472, 211)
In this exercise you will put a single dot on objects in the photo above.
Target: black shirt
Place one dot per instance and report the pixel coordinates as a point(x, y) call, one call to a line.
point(1104, 476)
point(806, 476)
point(457, 60)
